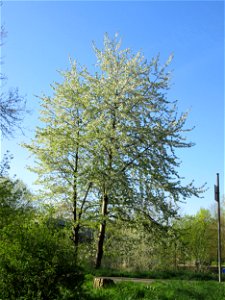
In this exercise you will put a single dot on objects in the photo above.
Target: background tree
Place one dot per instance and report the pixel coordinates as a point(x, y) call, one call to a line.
point(189, 243)
point(200, 237)
point(14, 196)
point(12, 105)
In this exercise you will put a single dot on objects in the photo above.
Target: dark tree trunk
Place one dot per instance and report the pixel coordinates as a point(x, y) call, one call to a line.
point(105, 200)
point(76, 229)
point(100, 251)
point(101, 236)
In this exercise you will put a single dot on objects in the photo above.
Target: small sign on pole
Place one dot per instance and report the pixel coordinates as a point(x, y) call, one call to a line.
point(217, 198)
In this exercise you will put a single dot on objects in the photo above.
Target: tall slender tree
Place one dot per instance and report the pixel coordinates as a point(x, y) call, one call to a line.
point(61, 148)
point(138, 130)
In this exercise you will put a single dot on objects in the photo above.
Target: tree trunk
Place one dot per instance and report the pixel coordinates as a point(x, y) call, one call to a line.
point(102, 227)
point(76, 226)
point(76, 229)
point(101, 236)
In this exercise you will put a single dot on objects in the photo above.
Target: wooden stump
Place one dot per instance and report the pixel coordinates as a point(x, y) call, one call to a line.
point(100, 282)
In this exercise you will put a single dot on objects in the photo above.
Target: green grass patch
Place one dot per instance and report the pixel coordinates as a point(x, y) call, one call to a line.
point(158, 290)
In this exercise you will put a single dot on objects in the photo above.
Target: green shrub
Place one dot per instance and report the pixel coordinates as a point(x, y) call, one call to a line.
point(37, 262)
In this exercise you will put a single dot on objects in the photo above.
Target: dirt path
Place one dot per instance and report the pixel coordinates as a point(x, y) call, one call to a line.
point(119, 279)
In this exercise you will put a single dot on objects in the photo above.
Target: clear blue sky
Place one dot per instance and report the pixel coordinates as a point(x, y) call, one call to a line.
point(42, 35)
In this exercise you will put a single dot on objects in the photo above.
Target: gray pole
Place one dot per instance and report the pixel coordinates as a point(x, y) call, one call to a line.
point(217, 198)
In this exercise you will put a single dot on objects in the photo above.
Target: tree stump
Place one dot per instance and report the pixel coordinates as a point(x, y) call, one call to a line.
point(100, 282)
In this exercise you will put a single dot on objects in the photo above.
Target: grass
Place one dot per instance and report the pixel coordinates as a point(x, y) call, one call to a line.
point(158, 290)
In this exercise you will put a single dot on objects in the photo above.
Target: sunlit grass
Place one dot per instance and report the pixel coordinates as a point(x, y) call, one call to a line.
point(158, 290)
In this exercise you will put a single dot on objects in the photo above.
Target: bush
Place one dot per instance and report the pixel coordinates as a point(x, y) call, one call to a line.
point(37, 262)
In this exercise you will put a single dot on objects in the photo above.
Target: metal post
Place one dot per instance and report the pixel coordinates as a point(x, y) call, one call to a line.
point(217, 198)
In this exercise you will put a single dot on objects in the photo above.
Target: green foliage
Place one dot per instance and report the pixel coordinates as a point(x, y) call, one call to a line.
point(115, 128)
point(190, 242)
point(14, 196)
point(36, 256)
point(199, 235)
point(36, 262)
